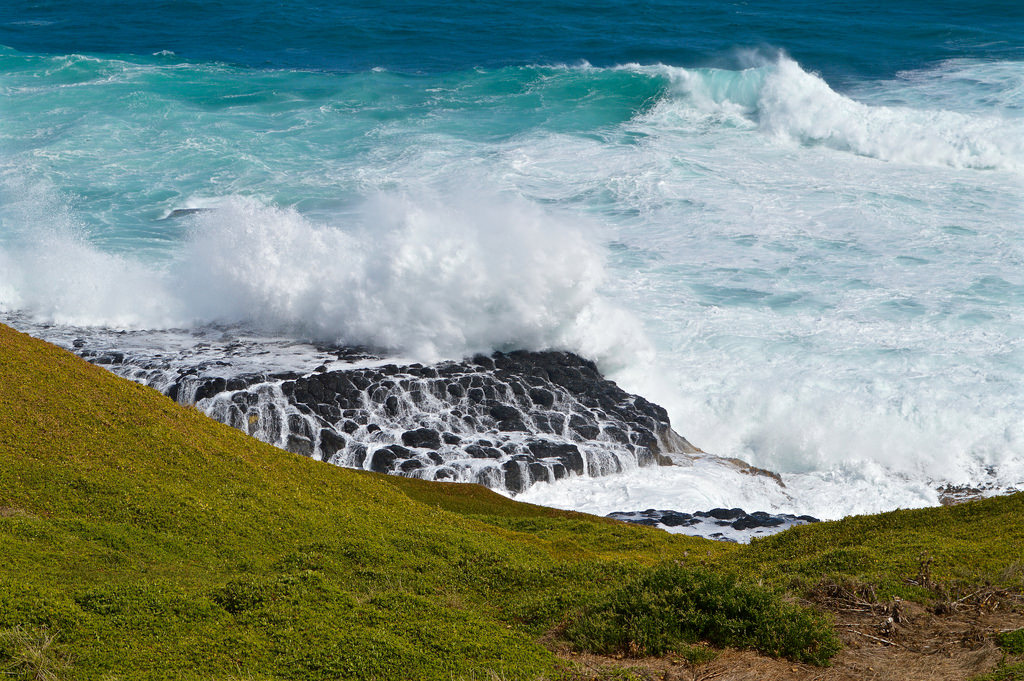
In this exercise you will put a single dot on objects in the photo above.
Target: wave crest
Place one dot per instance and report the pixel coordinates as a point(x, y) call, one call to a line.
point(791, 104)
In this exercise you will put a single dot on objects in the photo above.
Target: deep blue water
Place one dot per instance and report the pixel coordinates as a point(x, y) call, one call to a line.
point(838, 39)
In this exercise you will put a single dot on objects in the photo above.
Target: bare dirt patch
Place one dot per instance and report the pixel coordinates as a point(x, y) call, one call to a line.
point(13, 512)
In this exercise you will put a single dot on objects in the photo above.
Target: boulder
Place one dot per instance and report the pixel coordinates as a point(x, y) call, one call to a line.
point(422, 437)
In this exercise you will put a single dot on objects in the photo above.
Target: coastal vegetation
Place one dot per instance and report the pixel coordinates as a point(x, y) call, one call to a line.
point(142, 540)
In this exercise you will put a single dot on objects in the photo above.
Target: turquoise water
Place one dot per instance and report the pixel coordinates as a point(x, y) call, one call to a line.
point(798, 227)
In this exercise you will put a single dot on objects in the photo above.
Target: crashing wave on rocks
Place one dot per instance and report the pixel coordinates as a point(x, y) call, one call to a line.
point(505, 421)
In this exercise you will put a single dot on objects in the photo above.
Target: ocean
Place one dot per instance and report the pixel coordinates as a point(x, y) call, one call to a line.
point(797, 226)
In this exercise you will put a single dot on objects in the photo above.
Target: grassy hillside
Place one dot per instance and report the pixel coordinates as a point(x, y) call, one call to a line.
point(139, 539)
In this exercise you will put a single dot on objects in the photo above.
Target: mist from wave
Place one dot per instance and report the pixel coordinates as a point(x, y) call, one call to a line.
point(430, 278)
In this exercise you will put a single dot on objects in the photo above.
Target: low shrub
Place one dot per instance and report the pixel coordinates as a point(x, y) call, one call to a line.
point(670, 606)
point(1012, 641)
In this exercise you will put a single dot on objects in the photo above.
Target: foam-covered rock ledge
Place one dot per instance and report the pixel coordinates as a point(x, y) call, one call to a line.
point(723, 524)
point(505, 421)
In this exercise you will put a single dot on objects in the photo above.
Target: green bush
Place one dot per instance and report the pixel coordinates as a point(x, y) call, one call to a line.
point(1012, 641)
point(671, 606)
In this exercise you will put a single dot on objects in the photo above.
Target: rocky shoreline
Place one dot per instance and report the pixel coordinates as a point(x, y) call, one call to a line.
point(506, 421)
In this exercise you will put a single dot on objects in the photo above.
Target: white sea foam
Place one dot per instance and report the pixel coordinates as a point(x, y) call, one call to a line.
point(857, 488)
point(50, 268)
point(817, 312)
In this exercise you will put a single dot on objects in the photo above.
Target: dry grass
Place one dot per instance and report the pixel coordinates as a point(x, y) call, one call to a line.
point(33, 653)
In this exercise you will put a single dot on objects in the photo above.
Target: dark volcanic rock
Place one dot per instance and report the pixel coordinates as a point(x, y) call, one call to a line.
point(567, 454)
point(542, 398)
point(299, 445)
point(508, 420)
point(740, 526)
point(410, 465)
point(514, 480)
point(384, 459)
point(725, 513)
point(330, 443)
point(504, 412)
point(422, 437)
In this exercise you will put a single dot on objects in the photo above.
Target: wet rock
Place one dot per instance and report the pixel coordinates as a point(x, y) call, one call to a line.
point(514, 481)
point(478, 452)
point(483, 361)
point(110, 358)
point(330, 443)
point(209, 388)
point(512, 426)
point(584, 427)
point(504, 412)
point(410, 465)
point(422, 437)
point(383, 460)
point(539, 472)
point(236, 384)
point(725, 513)
point(719, 523)
point(299, 445)
point(567, 454)
point(357, 455)
point(299, 426)
point(672, 519)
point(530, 415)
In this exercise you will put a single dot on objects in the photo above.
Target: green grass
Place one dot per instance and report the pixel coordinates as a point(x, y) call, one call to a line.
point(141, 540)
point(923, 554)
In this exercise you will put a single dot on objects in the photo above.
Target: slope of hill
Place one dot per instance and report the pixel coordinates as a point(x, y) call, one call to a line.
point(140, 539)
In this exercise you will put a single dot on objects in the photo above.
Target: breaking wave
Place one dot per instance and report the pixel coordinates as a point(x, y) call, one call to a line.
point(428, 278)
point(784, 101)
